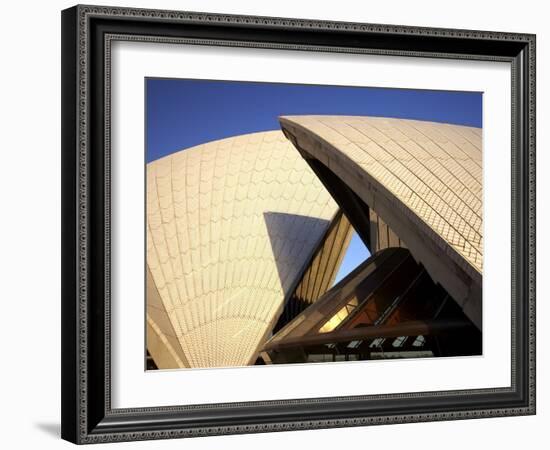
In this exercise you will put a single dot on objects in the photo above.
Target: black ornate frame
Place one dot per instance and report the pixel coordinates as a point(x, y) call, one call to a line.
point(87, 32)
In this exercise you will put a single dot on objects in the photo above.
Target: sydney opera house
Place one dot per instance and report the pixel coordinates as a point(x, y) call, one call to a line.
point(245, 236)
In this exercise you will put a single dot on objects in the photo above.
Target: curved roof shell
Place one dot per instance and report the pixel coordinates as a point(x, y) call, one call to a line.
point(423, 178)
point(231, 225)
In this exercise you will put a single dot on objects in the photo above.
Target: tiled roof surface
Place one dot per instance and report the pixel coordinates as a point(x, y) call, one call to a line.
point(432, 170)
point(230, 225)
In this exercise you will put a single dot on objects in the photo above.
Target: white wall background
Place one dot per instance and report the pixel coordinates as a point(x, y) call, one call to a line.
point(30, 225)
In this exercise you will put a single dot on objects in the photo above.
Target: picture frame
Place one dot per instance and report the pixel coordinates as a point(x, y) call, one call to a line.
point(88, 33)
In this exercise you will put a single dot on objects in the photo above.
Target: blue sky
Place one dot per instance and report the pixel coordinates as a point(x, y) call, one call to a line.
point(183, 113)
point(357, 252)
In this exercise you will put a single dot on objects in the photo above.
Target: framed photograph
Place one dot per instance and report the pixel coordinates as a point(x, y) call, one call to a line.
point(282, 224)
